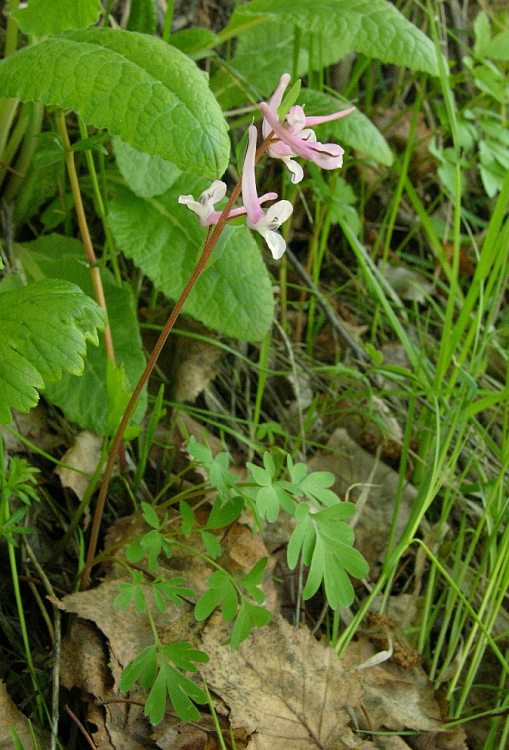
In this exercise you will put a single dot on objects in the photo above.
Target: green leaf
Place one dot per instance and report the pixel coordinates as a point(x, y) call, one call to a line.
point(498, 47)
point(173, 589)
point(86, 400)
point(134, 85)
point(224, 514)
point(193, 41)
point(41, 18)
point(374, 27)
point(188, 519)
point(354, 130)
point(142, 669)
point(252, 580)
point(45, 327)
point(144, 174)
point(150, 515)
point(211, 544)
point(262, 53)
point(482, 34)
point(156, 700)
point(221, 590)
point(182, 692)
point(183, 655)
point(164, 239)
point(250, 616)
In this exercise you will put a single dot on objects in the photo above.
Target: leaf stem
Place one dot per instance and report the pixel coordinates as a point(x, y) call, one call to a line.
point(85, 234)
point(210, 243)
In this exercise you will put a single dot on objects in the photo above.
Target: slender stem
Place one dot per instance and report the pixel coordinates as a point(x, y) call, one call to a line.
point(210, 243)
point(85, 234)
point(8, 107)
point(168, 18)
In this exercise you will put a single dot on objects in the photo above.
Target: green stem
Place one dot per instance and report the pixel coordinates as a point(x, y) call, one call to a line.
point(84, 231)
point(28, 150)
point(168, 18)
point(8, 107)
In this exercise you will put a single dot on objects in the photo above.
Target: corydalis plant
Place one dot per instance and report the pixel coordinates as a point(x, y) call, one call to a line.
point(286, 140)
point(289, 138)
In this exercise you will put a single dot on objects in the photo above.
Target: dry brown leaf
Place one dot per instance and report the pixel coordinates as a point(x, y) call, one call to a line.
point(408, 284)
point(194, 366)
point(354, 469)
point(287, 689)
point(83, 456)
point(34, 427)
point(394, 698)
point(12, 719)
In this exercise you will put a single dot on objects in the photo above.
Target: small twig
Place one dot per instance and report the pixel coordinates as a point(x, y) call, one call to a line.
point(80, 726)
point(329, 311)
point(57, 636)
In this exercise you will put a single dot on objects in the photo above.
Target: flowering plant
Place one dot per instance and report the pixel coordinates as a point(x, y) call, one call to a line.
point(283, 140)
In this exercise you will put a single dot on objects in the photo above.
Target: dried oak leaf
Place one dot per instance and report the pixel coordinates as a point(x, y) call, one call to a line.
point(82, 456)
point(285, 687)
point(11, 719)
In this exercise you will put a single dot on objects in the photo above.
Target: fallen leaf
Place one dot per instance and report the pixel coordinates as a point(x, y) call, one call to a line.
point(287, 689)
point(408, 284)
point(11, 719)
point(82, 456)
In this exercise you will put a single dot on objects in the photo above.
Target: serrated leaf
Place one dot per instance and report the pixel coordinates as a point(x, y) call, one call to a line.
point(45, 327)
point(233, 295)
point(84, 400)
point(41, 18)
point(134, 85)
point(355, 130)
point(374, 27)
point(145, 174)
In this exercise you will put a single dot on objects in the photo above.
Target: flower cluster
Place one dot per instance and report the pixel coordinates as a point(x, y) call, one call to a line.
point(288, 139)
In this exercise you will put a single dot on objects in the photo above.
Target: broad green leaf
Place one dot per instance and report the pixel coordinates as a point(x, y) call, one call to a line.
point(224, 514)
point(144, 174)
point(498, 47)
point(134, 85)
point(263, 53)
point(41, 18)
point(150, 515)
point(44, 329)
point(193, 41)
point(84, 400)
point(354, 130)
point(374, 27)
point(164, 239)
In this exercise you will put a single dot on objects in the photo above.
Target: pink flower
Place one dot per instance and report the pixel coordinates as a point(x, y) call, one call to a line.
point(204, 206)
point(264, 223)
point(295, 137)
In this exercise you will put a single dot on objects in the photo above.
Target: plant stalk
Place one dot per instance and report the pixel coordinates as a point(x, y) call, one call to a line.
point(208, 247)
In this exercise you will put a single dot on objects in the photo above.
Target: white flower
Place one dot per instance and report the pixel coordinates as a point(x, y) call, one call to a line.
point(204, 206)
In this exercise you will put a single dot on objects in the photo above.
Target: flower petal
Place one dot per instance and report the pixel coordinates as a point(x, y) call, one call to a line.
point(327, 155)
point(274, 240)
point(275, 101)
point(215, 192)
point(295, 168)
point(278, 213)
